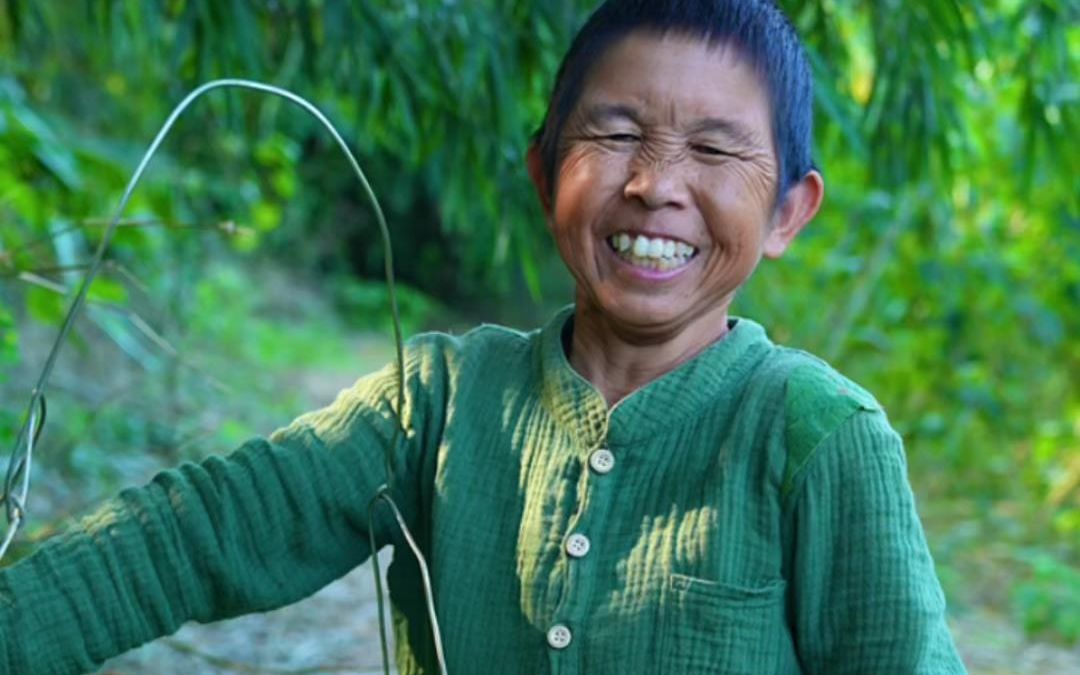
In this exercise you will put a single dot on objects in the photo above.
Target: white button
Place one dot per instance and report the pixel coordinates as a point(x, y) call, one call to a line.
point(577, 545)
point(602, 461)
point(559, 636)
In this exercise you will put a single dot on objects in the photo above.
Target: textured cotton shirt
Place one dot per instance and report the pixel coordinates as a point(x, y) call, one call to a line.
point(746, 513)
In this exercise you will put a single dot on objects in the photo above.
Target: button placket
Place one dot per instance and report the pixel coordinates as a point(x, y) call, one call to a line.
point(577, 546)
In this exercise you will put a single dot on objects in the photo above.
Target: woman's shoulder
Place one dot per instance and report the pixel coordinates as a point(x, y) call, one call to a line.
point(484, 354)
point(812, 383)
point(808, 385)
point(485, 340)
point(816, 401)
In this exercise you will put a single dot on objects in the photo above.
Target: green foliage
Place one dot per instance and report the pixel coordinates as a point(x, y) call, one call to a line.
point(9, 350)
point(366, 305)
point(440, 99)
point(9, 341)
point(1047, 602)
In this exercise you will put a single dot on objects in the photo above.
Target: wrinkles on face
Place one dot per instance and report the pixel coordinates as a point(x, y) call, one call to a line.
point(671, 158)
point(585, 148)
point(748, 182)
point(671, 139)
point(705, 149)
point(586, 171)
point(662, 149)
point(663, 166)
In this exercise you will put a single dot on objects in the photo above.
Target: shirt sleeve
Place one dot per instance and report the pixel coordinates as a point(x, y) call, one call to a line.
point(266, 526)
point(866, 599)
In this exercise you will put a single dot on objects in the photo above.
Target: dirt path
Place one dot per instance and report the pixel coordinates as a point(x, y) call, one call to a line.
point(991, 645)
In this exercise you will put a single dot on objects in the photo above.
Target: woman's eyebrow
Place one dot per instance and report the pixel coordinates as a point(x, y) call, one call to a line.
point(737, 131)
point(605, 112)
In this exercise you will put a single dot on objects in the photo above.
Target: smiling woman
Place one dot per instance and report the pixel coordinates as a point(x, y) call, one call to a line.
point(644, 485)
point(665, 201)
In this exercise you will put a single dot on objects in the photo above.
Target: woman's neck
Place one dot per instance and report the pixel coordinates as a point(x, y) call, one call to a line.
point(618, 361)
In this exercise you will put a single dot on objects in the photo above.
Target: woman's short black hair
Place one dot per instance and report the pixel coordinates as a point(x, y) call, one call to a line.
point(757, 28)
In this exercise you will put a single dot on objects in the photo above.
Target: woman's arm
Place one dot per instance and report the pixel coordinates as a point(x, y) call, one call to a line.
point(865, 597)
point(264, 527)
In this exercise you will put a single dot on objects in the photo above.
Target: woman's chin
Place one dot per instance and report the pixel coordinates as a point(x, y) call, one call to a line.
point(647, 316)
point(650, 317)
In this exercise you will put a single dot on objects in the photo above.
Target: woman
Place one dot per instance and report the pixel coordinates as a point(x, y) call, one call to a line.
point(645, 485)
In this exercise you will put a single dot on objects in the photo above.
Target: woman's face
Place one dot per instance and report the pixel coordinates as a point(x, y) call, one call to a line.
point(664, 201)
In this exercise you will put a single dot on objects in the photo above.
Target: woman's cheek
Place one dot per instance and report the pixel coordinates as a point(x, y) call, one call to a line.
point(575, 175)
point(752, 185)
point(588, 177)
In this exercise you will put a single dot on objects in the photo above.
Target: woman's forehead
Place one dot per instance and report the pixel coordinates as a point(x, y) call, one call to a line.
point(675, 78)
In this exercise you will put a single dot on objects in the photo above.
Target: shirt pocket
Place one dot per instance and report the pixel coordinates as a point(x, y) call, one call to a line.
point(721, 629)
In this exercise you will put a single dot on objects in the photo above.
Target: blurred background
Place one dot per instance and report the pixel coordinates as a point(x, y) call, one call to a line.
point(244, 286)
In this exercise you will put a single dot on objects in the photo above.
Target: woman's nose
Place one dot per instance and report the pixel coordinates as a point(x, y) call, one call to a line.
point(657, 185)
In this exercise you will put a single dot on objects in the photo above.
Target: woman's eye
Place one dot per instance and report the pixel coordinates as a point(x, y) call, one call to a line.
point(622, 138)
point(710, 150)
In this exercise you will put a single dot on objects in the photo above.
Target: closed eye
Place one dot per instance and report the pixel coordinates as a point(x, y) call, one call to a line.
point(622, 138)
point(711, 150)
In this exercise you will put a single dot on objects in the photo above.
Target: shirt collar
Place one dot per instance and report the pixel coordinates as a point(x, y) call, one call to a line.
point(707, 380)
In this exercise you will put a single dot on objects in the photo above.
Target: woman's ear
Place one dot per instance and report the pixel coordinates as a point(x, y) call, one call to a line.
point(799, 206)
point(539, 178)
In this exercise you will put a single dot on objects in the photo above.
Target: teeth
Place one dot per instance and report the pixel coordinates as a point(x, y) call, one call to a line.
point(656, 248)
point(657, 254)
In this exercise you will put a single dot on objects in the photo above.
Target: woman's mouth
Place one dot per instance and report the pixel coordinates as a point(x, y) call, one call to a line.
point(651, 253)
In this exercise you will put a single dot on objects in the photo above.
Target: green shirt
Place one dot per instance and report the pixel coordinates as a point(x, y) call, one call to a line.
point(748, 512)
